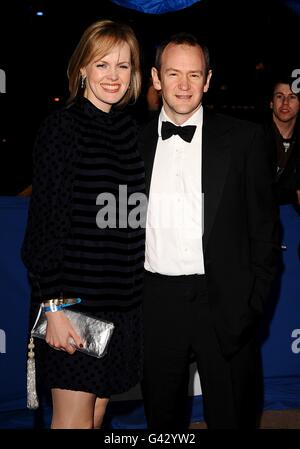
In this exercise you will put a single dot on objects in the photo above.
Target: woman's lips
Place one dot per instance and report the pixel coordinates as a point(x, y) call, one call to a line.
point(111, 87)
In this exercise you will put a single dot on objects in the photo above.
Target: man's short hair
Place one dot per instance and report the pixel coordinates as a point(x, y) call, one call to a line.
point(182, 39)
point(284, 78)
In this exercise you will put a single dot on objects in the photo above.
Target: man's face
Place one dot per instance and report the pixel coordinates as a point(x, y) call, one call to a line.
point(182, 80)
point(285, 103)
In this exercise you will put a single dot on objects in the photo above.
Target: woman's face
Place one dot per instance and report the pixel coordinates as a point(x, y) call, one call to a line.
point(107, 79)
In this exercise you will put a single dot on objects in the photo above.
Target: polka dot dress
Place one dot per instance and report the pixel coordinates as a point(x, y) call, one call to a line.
point(117, 371)
point(66, 251)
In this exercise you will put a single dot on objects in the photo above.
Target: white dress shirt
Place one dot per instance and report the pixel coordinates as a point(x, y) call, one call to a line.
point(175, 211)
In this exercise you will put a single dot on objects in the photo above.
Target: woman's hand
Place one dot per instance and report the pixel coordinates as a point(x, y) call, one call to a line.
point(60, 333)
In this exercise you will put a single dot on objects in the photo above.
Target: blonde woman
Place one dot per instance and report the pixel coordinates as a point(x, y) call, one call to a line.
point(82, 151)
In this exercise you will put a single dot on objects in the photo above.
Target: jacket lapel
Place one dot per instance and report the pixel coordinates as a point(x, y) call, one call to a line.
point(147, 144)
point(215, 164)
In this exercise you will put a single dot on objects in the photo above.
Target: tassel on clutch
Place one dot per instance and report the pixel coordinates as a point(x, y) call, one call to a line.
point(32, 399)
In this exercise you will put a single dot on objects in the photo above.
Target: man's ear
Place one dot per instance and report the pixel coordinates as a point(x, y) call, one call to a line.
point(206, 86)
point(155, 79)
point(271, 105)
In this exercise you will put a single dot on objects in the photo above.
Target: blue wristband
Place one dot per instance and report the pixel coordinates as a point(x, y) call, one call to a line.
point(57, 307)
point(53, 308)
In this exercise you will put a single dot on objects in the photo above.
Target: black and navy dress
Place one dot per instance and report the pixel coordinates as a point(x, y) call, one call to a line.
point(85, 238)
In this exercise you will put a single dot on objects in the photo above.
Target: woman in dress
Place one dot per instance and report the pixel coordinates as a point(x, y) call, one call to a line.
point(86, 153)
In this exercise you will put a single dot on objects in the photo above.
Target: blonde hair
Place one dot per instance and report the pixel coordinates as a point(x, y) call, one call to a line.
point(97, 40)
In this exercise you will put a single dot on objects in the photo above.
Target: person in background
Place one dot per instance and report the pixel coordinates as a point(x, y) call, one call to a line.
point(87, 148)
point(211, 247)
point(283, 136)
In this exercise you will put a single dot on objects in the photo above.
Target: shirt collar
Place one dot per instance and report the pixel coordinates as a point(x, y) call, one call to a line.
point(195, 119)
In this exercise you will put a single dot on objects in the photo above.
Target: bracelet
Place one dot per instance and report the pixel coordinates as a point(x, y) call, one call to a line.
point(55, 305)
point(53, 308)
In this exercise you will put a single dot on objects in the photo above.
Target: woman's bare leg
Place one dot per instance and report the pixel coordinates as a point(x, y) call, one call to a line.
point(72, 409)
point(99, 411)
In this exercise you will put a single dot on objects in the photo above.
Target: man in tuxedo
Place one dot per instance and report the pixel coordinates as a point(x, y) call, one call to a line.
point(211, 247)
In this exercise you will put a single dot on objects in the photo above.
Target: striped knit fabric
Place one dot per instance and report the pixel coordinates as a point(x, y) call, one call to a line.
point(107, 263)
point(101, 266)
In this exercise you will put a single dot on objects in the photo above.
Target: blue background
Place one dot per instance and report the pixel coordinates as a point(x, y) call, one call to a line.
point(280, 350)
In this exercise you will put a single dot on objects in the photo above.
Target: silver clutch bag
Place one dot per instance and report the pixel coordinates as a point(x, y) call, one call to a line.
point(94, 332)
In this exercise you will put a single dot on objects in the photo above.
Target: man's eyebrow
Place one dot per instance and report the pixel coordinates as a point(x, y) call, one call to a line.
point(282, 93)
point(170, 69)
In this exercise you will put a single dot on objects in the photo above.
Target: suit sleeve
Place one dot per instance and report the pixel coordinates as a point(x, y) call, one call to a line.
point(263, 220)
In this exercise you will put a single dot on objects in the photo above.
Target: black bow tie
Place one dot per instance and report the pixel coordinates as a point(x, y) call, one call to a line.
point(185, 132)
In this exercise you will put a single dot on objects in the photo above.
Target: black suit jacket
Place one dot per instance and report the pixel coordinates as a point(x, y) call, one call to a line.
point(240, 240)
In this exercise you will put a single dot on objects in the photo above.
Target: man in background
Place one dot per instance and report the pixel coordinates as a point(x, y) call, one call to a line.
point(283, 134)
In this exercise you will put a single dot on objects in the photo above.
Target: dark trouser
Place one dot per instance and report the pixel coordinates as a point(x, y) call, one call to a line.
point(177, 322)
